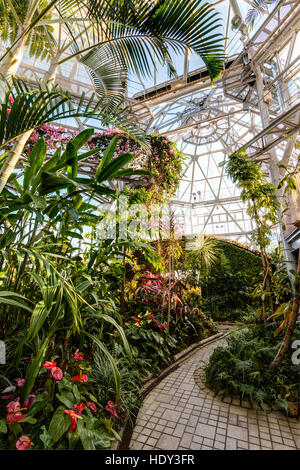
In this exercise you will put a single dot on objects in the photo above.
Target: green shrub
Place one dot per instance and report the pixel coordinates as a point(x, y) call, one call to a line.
point(243, 368)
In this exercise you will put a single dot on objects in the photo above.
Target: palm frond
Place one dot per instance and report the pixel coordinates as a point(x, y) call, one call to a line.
point(134, 30)
point(32, 108)
point(259, 8)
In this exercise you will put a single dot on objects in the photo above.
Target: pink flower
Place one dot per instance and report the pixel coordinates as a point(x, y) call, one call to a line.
point(20, 382)
point(110, 407)
point(14, 414)
point(81, 378)
point(57, 373)
point(92, 406)
point(49, 365)
point(13, 406)
point(7, 397)
point(23, 443)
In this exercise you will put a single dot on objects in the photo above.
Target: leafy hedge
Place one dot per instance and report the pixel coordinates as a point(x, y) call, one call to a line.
point(243, 368)
point(227, 287)
point(235, 259)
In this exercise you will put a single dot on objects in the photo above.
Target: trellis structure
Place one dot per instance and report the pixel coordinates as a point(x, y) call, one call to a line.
point(254, 104)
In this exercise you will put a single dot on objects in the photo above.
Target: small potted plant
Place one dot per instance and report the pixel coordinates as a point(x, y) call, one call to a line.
point(293, 403)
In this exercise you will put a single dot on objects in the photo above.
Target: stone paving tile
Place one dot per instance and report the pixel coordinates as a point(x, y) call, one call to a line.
point(178, 414)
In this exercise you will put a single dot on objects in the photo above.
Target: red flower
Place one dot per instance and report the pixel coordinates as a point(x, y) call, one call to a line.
point(92, 406)
point(79, 408)
point(151, 316)
point(23, 443)
point(73, 418)
point(49, 365)
point(20, 382)
point(81, 378)
point(136, 319)
point(110, 407)
point(13, 406)
point(78, 355)
point(29, 401)
point(57, 373)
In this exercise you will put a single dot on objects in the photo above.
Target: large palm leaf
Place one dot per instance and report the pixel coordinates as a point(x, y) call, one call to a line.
point(133, 30)
point(32, 108)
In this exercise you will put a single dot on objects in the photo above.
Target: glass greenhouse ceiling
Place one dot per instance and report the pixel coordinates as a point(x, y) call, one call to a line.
point(207, 123)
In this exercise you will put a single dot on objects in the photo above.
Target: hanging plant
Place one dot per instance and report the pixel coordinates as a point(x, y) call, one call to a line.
point(163, 160)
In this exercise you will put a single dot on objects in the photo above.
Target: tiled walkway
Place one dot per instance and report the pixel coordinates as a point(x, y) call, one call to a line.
point(178, 415)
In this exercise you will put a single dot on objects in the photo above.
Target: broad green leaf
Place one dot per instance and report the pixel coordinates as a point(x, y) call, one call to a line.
point(59, 424)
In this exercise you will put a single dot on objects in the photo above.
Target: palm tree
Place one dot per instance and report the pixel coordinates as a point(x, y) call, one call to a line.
point(202, 253)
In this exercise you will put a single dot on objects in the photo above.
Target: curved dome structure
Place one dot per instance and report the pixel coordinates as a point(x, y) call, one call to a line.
point(254, 104)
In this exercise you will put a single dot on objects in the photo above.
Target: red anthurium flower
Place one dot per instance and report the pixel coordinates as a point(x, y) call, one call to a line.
point(14, 414)
point(78, 355)
point(79, 408)
point(15, 417)
point(110, 407)
point(13, 406)
point(73, 417)
point(81, 378)
point(20, 382)
point(92, 406)
point(23, 443)
point(29, 401)
point(57, 373)
point(49, 365)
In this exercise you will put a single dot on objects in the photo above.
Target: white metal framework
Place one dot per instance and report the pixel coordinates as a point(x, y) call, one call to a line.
point(254, 104)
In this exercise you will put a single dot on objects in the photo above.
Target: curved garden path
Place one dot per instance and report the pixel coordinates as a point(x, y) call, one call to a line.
point(177, 414)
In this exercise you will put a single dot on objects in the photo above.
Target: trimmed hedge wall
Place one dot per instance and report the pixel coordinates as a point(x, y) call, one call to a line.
point(236, 259)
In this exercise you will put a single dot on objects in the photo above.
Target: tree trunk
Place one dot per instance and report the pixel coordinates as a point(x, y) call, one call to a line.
point(12, 159)
point(9, 66)
point(291, 324)
point(50, 75)
point(14, 155)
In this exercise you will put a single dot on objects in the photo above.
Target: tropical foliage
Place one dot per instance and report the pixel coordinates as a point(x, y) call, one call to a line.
point(243, 369)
